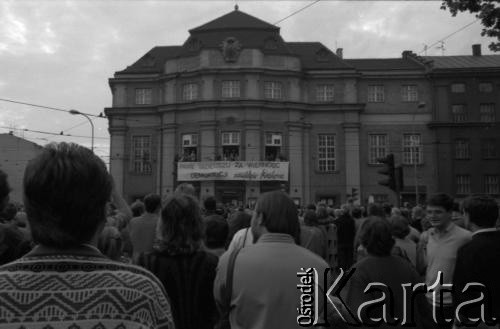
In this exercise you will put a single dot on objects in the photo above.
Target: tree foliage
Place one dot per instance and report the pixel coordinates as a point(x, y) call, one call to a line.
point(488, 11)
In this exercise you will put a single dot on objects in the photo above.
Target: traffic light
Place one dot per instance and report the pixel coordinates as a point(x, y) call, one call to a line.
point(389, 170)
point(399, 178)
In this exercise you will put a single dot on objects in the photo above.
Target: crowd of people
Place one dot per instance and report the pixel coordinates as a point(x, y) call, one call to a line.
point(75, 254)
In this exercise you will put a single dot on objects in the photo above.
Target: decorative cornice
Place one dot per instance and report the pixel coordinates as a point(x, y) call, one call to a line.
point(350, 125)
point(442, 124)
point(118, 130)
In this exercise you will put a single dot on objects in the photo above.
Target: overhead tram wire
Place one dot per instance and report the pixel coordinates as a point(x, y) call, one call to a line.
point(450, 35)
point(50, 133)
point(297, 11)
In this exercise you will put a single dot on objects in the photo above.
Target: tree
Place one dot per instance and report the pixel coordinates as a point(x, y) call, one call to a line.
point(488, 11)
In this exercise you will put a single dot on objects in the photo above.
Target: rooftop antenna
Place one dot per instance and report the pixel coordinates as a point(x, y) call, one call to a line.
point(441, 46)
point(426, 47)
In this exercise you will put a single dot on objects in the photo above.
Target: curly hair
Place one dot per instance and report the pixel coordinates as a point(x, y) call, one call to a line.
point(181, 225)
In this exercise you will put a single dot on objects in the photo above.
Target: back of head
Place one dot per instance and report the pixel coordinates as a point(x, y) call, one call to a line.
point(279, 213)
point(356, 213)
point(441, 200)
point(186, 188)
point(66, 188)
point(210, 203)
point(137, 208)
point(181, 226)
point(375, 210)
point(376, 236)
point(400, 227)
point(482, 210)
point(216, 232)
point(310, 218)
point(417, 213)
point(110, 242)
point(152, 202)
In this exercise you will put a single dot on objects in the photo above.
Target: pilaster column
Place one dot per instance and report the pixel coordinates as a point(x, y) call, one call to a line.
point(208, 133)
point(253, 152)
point(117, 156)
point(306, 172)
point(169, 151)
point(296, 160)
point(352, 165)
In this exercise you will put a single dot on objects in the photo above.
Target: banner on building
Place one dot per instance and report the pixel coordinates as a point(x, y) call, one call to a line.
point(232, 170)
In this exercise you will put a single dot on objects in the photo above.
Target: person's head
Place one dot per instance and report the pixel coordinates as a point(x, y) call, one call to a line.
point(417, 213)
point(400, 227)
point(376, 236)
point(110, 242)
point(356, 213)
point(480, 211)
point(395, 211)
point(387, 209)
point(186, 188)
point(275, 212)
point(9, 212)
point(311, 206)
point(66, 188)
point(321, 212)
point(210, 204)
point(181, 226)
point(137, 208)
point(439, 208)
point(310, 218)
point(4, 190)
point(216, 232)
point(152, 203)
point(375, 210)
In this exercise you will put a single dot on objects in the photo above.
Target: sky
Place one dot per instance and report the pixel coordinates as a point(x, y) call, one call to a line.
point(61, 53)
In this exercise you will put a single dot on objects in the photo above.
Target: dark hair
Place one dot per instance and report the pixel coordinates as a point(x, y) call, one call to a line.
point(482, 210)
point(236, 222)
point(4, 188)
point(356, 212)
point(66, 188)
point(152, 202)
point(181, 225)
point(387, 208)
point(216, 232)
point(210, 203)
point(9, 212)
point(279, 213)
point(137, 208)
point(375, 210)
point(310, 218)
point(186, 188)
point(441, 200)
point(311, 206)
point(376, 236)
point(400, 227)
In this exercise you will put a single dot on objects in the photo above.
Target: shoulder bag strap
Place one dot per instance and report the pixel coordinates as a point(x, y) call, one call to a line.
point(229, 279)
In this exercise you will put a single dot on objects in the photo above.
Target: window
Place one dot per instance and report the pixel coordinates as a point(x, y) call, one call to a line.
point(141, 154)
point(376, 94)
point(463, 184)
point(409, 93)
point(326, 152)
point(189, 147)
point(488, 148)
point(459, 113)
point(230, 146)
point(273, 90)
point(324, 93)
point(273, 146)
point(143, 96)
point(377, 144)
point(487, 112)
point(491, 184)
point(485, 87)
point(458, 88)
point(230, 89)
point(190, 91)
point(462, 149)
point(412, 149)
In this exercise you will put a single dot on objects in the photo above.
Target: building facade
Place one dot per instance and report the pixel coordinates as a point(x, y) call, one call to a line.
point(16, 153)
point(238, 111)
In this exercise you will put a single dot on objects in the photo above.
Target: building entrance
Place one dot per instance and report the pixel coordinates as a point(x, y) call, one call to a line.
point(230, 193)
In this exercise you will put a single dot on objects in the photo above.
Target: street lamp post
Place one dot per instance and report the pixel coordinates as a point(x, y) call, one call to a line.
point(75, 112)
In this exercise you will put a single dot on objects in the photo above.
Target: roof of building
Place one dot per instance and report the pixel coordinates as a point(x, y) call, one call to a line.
point(235, 20)
point(19, 139)
point(383, 64)
point(315, 55)
point(462, 62)
point(153, 60)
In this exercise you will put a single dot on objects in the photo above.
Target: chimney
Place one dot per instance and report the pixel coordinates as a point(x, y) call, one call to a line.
point(406, 54)
point(340, 52)
point(476, 50)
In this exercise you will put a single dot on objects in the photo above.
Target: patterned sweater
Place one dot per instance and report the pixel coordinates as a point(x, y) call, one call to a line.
point(80, 289)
